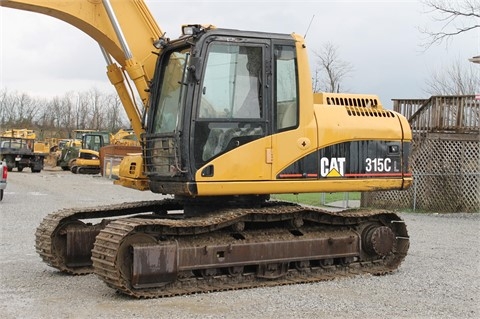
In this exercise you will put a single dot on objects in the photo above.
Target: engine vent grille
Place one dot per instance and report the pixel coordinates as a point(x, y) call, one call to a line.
point(355, 104)
point(352, 101)
point(368, 111)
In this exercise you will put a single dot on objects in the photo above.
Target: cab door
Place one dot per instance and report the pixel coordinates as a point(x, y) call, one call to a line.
point(285, 106)
point(232, 131)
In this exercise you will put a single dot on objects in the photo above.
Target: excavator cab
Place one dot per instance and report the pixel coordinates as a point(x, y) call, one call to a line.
point(214, 92)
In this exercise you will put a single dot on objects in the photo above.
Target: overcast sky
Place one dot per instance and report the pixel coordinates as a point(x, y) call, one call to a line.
point(46, 57)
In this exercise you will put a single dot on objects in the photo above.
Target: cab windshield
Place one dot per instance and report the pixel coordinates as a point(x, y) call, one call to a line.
point(172, 92)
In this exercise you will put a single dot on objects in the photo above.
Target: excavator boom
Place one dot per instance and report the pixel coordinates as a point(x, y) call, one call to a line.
point(131, 47)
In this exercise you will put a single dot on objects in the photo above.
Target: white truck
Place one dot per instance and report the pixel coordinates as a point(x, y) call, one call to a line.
point(3, 177)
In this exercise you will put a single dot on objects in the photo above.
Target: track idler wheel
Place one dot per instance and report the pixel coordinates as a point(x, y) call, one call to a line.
point(378, 240)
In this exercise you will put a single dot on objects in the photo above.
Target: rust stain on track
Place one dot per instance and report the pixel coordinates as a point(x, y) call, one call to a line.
point(108, 262)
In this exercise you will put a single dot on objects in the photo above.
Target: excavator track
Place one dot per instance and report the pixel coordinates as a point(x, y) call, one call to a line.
point(238, 248)
point(64, 241)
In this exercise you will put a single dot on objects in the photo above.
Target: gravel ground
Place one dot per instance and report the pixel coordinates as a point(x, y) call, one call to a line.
point(440, 277)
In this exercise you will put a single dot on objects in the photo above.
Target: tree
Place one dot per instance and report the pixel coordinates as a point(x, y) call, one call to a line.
point(454, 17)
point(97, 114)
point(61, 114)
point(331, 70)
point(115, 118)
point(460, 78)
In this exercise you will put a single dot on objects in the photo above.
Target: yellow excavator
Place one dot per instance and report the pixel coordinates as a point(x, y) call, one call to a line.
point(228, 118)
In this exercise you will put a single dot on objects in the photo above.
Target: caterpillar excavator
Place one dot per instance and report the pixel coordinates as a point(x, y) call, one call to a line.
point(228, 118)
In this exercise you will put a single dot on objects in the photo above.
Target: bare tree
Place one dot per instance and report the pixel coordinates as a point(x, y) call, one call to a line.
point(26, 109)
point(46, 118)
point(68, 106)
point(96, 109)
point(459, 78)
point(331, 70)
point(59, 115)
point(82, 111)
point(4, 112)
point(115, 114)
point(317, 87)
point(454, 18)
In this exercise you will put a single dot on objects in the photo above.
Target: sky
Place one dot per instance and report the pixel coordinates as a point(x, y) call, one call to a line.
point(46, 57)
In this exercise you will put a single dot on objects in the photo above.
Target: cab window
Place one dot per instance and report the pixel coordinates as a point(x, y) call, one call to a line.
point(232, 83)
point(230, 111)
point(286, 91)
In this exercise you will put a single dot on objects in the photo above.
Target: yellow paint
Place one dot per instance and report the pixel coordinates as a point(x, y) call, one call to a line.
point(131, 173)
point(296, 186)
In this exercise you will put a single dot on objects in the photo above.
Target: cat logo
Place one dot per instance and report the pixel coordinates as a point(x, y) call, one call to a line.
point(332, 167)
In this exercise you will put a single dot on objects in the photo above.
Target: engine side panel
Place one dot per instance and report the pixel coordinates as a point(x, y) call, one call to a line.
point(357, 150)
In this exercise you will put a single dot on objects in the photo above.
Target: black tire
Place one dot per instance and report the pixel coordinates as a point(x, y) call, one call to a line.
point(1, 194)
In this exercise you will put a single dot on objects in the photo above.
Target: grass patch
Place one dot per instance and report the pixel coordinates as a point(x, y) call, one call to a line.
point(316, 199)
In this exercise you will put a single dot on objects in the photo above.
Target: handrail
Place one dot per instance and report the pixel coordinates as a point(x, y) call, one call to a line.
point(455, 113)
point(407, 107)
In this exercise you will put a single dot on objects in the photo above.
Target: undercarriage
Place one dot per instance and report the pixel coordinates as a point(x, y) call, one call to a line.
point(91, 170)
point(157, 252)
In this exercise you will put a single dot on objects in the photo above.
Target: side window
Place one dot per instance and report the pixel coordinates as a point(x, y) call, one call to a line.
point(286, 101)
point(172, 94)
point(231, 104)
point(232, 83)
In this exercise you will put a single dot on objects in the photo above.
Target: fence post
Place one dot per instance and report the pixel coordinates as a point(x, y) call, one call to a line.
point(345, 200)
point(414, 193)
